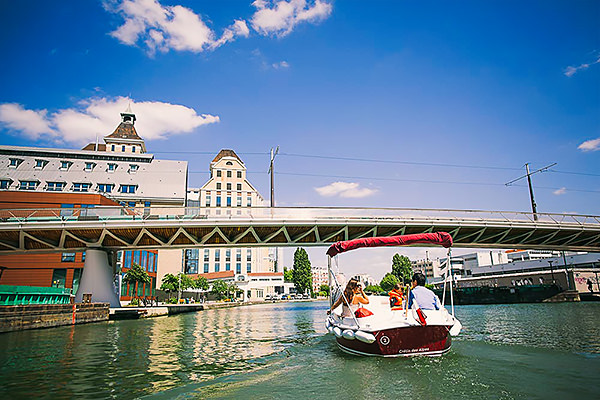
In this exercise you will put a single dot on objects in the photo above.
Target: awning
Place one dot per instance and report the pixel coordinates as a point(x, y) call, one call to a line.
point(436, 238)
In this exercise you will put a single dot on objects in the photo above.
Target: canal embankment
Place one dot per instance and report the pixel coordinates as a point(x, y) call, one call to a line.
point(34, 316)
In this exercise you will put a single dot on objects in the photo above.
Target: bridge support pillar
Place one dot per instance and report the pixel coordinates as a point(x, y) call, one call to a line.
point(97, 279)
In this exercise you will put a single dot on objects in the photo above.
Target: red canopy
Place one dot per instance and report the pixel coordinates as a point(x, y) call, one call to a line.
point(441, 238)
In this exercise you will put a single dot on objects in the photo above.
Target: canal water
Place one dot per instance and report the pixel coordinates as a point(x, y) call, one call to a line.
point(282, 351)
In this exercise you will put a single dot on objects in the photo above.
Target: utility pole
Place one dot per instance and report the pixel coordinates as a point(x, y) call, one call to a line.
point(528, 175)
point(272, 172)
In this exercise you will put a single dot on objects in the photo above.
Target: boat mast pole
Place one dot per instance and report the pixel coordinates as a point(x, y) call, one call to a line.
point(329, 280)
point(451, 279)
point(445, 280)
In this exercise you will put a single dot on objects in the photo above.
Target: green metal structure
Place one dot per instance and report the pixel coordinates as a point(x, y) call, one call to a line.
point(19, 295)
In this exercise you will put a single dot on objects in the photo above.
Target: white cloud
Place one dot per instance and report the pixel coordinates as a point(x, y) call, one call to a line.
point(281, 65)
point(345, 190)
point(169, 28)
point(560, 191)
point(100, 116)
point(279, 17)
point(590, 145)
point(570, 70)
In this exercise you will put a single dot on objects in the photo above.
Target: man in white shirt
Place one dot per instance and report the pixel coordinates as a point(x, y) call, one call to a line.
point(423, 297)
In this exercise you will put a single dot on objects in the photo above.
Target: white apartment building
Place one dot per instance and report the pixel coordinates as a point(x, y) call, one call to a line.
point(365, 279)
point(228, 192)
point(524, 255)
point(319, 277)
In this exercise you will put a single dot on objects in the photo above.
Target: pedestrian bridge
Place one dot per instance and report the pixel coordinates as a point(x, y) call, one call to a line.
point(116, 228)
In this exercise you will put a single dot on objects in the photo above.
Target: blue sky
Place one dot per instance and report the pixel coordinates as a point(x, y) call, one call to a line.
point(428, 86)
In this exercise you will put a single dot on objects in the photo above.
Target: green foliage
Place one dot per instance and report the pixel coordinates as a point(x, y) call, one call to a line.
point(302, 274)
point(402, 268)
point(136, 274)
point(169, 284)
point(219, 289)
point(323, 294)
point(186, 281)
point(374, 289)
point(287, 275)
point(201, 283)
point(134, 302)
point(324, 288)
point(389, 281)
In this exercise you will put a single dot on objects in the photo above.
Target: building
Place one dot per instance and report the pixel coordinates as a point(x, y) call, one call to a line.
point(61, 270)
point(228, 192)
point(119, 169)
point(365, 279)
point(319, 277)
point(524, 255)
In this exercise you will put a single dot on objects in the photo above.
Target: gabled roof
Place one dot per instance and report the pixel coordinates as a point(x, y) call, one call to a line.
point(227, 153)
point(125, 130)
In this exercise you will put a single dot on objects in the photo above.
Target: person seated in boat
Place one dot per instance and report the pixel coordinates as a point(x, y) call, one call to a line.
point(353, 296)
point(396, 297)
point(423, 297)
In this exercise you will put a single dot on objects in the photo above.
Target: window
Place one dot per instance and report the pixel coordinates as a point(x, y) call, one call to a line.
point(133, 167)
point(151, 262)
point(5, 183)
point(217, 267)
point(239, 187)
point(39, 164)
point(133, 149)
point(131, 204)
point(206, 255)
point(239, 201)
point(238, 255)
point(105, 187)
point(228, 201)
point(136, 257)
point(123, 148)
point(190, 261)
point(81, 187)
point(68, 257)
point(229, 174)
point(239, 174)
point(14, 162)
point(65, 165)
point(89, 166)
point(217, 255)
point(66, 210)
point(112, 148)
point(238, 268)
point(249, 203)
point(248, 255)
point(83, 256)
point(228, 255)
point(218, 173)
point(128, 188)
point(147, 207)
point(112, 167)
point(229, 186)
point(207, 200)
point(218, 201)
point(218, 185)
point(249, 267)
point(59, 277)
point(28, 185)
point(76, 279)
point(127, 259)
point(144, 260)
point(55, 186)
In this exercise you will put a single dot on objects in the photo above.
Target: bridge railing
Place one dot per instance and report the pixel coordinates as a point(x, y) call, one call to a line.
point(355, 215)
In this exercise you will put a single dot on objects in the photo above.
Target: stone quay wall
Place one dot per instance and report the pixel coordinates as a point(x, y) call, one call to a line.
point(33, 316)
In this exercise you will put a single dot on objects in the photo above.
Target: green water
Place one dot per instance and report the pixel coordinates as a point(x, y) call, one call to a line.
point(281, 351)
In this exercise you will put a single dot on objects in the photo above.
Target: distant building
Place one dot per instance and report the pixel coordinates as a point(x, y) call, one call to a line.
point(524, 255)
point(228, 192)
point(365, 279)
point(319, 277)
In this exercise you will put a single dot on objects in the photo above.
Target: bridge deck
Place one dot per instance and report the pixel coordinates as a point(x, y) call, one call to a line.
point(44, 230)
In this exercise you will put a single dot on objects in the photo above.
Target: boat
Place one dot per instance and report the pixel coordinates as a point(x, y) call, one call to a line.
point(382, 331)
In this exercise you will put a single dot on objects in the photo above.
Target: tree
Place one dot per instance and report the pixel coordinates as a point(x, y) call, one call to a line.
point(170, 283)
point(219, 289)
point(374, 289)
point(136, 275)
point(302, 274)
point(184, 281)
point(201, 283)
point(287, 275)
point(324, 288)
point(389, 281)
point(402, 268)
